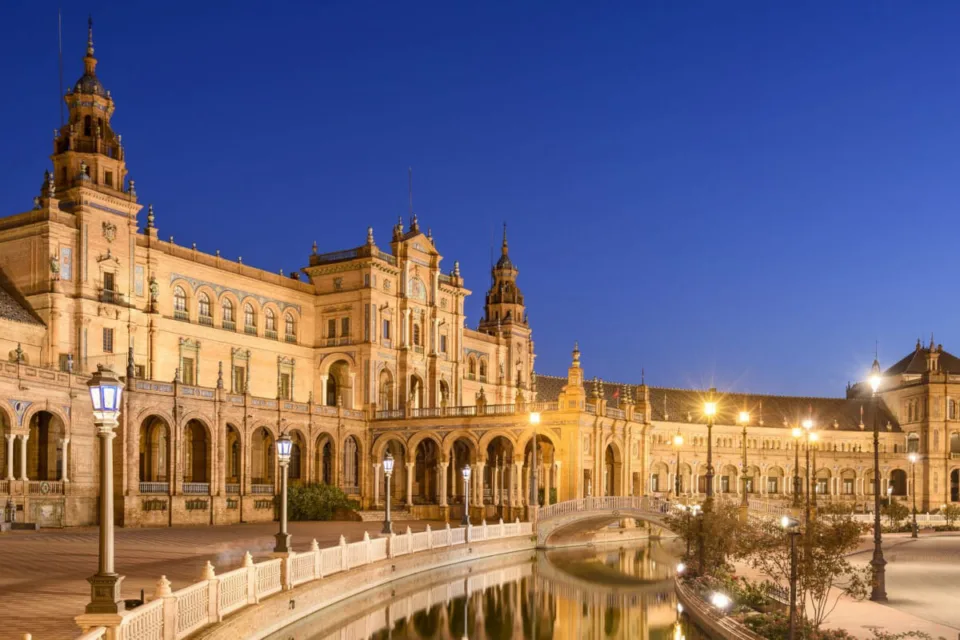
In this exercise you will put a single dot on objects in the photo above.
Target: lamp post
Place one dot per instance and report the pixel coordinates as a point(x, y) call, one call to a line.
point(105, 392)
point(792, 527)
point(744, 419)
point(387, 472)
point(710, 411)
point(534, 488)
point(797, 433)
point(465, 520)
point(284, 447)
point(807, 426)
point(913, 472)
point(879, 593)
point(677, 443)
point(814, 438)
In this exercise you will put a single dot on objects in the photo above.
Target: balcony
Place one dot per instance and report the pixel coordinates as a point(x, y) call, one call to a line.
point(196, 488)
point(250, 330)
point(261, 489)
point(181, 314)
point(345, 340)
point(271, 334)
point(331, 342)
point(233, 488)
point(205, 320)
point(111, 297)
point(290, 338)
point(387, 342)
point(155, 487)
point(45, 487)
point(229, 325)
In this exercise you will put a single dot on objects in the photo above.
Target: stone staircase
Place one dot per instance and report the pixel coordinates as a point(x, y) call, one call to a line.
point(376, 515)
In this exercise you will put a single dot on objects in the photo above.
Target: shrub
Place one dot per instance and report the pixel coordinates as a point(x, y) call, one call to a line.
point(316, 501)
point(951, 513)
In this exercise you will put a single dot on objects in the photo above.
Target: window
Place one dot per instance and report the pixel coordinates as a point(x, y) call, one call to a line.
point(87, 126)
point(655, 482)
point(108, 340)
point(239, 379)
point(271, 320)
point(483, 369)
point(332, 328)
point(472, 368)
point(345, 327)
point(913, 443)
point(108, 281)
point(227, 309)
point(290, 327)
point(66, 362)
point(188, 372)
point(724, 484)
point(848, 486)
point(821, 486)
point(108, 178)
point(443, 344)
point(249, 318)
point(179, 303)
point(285, 386)
point(139, 371)
point(203, 305)
point(386, 329)
point(416, 335)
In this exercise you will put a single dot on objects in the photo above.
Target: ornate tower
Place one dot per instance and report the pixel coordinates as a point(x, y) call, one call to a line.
point(504, 303)
point(87, 151)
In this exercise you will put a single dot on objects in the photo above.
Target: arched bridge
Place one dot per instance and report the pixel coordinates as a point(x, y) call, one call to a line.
point(606, 508)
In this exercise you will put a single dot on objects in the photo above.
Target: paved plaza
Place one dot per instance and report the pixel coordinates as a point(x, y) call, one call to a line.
point(43, 574)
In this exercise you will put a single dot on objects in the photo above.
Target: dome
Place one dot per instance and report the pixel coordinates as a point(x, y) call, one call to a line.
point(504, 262)
point(89, 83)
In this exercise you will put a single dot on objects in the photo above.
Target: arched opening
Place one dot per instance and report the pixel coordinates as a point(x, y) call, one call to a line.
point(499, 471)
point(204, 313)
point(728, 479)
point(351, 465)
point(338, 385)
point(398, 479)
point(848, 482)
point(234, 463)
point(545, 460)
point(955, 443)
point(226, 309)
point(461, 454)
point(913, 443)
point(612, 463)
point(685, 478)
point(196, 444)
point(822, 484)
point(249, 319)
point(297, 449)
point(415, 398)
point(180, 303)
point(775, 480)
point(87, 126)
point(45, 447)
point(262, 460)
point(898, 480)
point(659, 478)
point(154, 456)
point(426, 480)
point(751, 480)
point(6, 463)
point(385, 386)
point(955, 485)
point(324, 459)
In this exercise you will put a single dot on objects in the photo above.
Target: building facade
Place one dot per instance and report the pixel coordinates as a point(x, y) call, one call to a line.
point(360, 352)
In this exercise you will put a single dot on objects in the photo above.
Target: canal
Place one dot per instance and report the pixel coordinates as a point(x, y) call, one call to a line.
point(583, 592)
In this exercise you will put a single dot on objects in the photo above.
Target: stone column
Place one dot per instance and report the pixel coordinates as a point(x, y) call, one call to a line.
point(23, 457)
point(557, 473)
point(546, 485)
point(495, 484)
point(9, 437)
point(520, 488)
point(410, 466)
point(443, 483)
point(323, 390)
point(376, 484)
point(405, 330)
point(478, 472)
point(65, 443)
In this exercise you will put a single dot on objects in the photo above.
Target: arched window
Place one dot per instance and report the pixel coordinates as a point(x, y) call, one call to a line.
point(290, 327)
point(913, 443)
point(87, 126)
point(416, 335)
point(483, 369)
point(249, 318)
point(179, 303)
point(472, 367)
point(203, 305)
point(952, 409)
point(271, 320)
point(227, 307)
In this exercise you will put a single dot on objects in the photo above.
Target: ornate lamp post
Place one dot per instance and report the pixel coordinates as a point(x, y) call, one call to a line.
point(879, 593)
point(677, 443)
point(105, 392)
point(913, 472)
point(807, 427)
point(797, 433)
point(465, 520)
point(792, 527)
point(284, 447)
point(710, 411)
point(814, 438)
point(744, 419)
point(534, 488)
point(387, 472)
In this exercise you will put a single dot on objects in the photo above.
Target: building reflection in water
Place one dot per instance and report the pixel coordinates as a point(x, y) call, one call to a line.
point(577, 593)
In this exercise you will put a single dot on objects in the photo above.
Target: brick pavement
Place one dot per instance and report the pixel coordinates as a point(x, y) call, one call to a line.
point(43, 574)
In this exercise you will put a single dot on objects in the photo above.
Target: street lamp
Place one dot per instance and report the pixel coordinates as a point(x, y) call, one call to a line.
point(534, 488)
point(387, 472)
point(465, 520)
point(710, 411)
point(744, 419)
point(913, 471)
point(814, 438)
point(677, 443)
point(284, 447)
point(797, 433)
point(879, 593)
point(792, 527)
point(105, 392)
point(721, 601)
point(807, 427)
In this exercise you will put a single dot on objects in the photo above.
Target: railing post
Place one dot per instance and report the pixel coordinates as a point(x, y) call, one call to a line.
point(500, 535)
point(469, 533)
point(390, 543)
point(449, 535)
point(210, 575)
point(429, 538)
point(366, 548)
point(252, 597)
point(164, 592)
point(315, 550)
point(344, 561)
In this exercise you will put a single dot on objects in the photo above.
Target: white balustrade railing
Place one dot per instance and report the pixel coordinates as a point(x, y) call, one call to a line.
point(649, 504)
point(196, 488)
point(155, 487)
point(178, 614)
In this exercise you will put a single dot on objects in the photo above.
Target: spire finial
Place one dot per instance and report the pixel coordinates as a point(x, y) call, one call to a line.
point(503, 249)
point(643, 376)
point(90, 35)
point(576, 353)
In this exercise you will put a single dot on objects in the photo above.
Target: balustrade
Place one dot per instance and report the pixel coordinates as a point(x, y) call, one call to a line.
point(196, 488)
point(155, 487)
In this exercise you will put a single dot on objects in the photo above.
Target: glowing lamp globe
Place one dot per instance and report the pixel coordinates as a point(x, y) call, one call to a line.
point(744, 417)
point(388, 463)
point(710, 409)
point(875, 382)
point(284, 447)
point(913, 458)
point(466, 472)
point(797, 432)
point(678, 440)
point(788, 523)
point(105, 392)
point(720, 600)
point(534, 417)
point(808, 424)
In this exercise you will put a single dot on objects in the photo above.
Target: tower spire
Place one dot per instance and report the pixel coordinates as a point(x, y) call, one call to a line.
point(89, 62)
point(503, 249)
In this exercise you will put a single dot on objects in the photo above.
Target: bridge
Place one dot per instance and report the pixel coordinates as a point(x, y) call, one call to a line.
point(598, 511)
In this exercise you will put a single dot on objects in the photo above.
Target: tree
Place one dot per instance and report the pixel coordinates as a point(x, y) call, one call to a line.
point(316, 501)
point(951, 514)
point(720, 529)
point(895, 511)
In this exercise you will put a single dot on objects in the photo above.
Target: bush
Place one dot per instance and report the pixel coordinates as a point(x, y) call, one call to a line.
point(776, 626)
point(951, 513)
point(316, 501)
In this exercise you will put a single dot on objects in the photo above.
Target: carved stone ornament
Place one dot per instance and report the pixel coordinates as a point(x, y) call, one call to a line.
point(338, 284)
point(154, 290)
point(55, 267)
point(109, 231)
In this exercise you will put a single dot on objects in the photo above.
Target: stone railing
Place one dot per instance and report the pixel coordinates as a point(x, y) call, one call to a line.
point(172, 615)
point(196, 488)
point(261, 489)
point(766, 507)
point(4, 486)
point(155, 487)
point(619, 414)
point(710, 619)
point(651, 504)
point(45, 487)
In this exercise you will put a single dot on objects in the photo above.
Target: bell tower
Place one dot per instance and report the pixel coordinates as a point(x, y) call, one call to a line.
point(87, 151)
point(504, 303)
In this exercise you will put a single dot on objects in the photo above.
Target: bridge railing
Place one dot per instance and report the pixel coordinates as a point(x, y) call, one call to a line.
point(650, 504)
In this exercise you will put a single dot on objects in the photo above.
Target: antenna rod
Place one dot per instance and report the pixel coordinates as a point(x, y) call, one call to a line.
point(60, 55)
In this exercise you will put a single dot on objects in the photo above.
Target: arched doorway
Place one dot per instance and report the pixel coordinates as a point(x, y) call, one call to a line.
point(385, 385)
point(898, 480)
point(351, 465)
point(297, 449)
point(500, 474)
point(262, 460)
point(774, 480)
point(324, 459)
point(196, 478)
point(233, 466)
point(154, 456)
point(544, 466)
point(45, 447)
point(338, 385)
point(6, 463)
point(728, 479)
point(611, 470)
point(955, 485)
point(398, 479)
point(462, 453)
point(426, 479)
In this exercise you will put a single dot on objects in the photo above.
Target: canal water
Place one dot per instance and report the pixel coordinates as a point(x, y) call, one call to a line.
point(584, 592)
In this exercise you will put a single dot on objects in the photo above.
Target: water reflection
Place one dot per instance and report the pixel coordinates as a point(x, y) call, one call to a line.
point(578, 593)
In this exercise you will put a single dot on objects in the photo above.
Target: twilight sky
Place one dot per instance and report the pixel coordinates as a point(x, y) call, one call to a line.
point(746, 194)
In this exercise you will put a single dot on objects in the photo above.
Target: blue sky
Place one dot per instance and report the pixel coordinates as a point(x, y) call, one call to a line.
point(745, 194)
